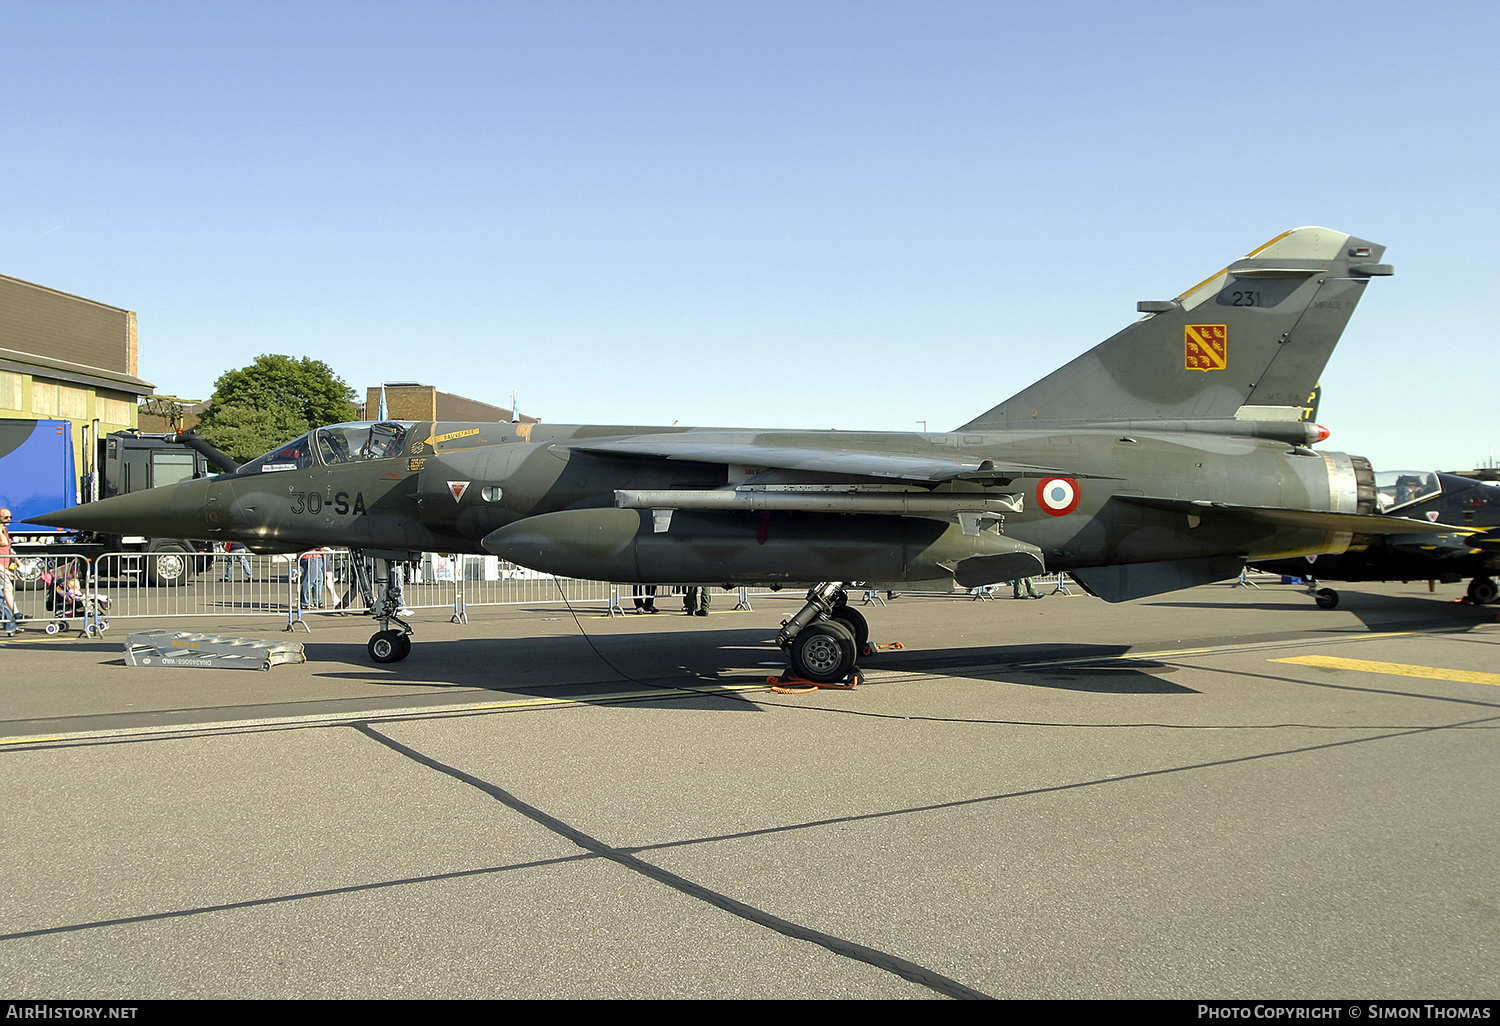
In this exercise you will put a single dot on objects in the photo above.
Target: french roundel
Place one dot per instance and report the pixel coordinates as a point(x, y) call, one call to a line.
point(1058, 495)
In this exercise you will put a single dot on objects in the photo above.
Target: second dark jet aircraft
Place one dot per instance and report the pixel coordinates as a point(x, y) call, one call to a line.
point(1447, 501)
point(1167, 456)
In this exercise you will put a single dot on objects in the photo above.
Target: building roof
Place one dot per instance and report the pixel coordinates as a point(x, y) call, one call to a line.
point(77, 373)
point(67, 337)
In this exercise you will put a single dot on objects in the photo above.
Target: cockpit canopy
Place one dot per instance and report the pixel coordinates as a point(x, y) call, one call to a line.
point(334, 444)
point(1397, 488)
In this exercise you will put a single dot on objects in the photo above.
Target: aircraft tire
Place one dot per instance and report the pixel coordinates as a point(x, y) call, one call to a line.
point(854, 621)
point(823, 652)
point(1484, 591)
point(386, 647)
point(1326, 598)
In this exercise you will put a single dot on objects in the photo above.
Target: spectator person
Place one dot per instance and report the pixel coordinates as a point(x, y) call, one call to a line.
point(72, 596)
point(314, 564)
point(330, 586)
point(1029, 583)
point(7, 613)
point(7, 568)
point(235, 552)
point(398, 583)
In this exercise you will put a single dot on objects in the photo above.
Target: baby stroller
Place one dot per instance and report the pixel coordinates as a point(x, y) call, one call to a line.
point(69, 602)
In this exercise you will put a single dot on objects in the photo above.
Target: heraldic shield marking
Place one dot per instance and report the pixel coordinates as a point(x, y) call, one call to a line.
point(1205, 347)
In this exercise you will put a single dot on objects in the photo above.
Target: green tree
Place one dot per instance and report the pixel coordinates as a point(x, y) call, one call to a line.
point(244, 431)
point(273, 400)
point(307, 387)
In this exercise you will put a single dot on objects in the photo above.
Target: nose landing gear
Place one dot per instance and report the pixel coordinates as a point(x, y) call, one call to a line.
point(385, 645)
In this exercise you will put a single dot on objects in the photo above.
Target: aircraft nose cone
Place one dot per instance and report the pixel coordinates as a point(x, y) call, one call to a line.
point(173, 511)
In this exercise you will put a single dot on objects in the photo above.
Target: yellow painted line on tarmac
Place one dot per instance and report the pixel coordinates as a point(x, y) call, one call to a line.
point(28, 740)
point(1394, 669)
point(665, 692)
point(1173, 653)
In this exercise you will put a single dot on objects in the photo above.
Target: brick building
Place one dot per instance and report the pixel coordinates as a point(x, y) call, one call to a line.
point(67, 358)
point(411, 401)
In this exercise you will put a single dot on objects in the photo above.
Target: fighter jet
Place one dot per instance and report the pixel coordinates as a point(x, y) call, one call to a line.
point(1166, 456)
point(1454, 505)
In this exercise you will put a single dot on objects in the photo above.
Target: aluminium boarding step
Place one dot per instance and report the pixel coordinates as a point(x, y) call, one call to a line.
point(180, 648)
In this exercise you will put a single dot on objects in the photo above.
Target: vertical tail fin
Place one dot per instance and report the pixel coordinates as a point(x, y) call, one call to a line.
point(1249, 342)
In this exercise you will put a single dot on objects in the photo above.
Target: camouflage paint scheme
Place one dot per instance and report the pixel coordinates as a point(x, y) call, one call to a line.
point(1167, 456)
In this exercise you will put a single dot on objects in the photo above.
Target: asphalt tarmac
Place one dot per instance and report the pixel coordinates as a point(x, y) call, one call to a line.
point(1222, 793)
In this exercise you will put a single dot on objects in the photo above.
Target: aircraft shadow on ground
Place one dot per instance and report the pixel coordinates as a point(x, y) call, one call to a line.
point(562, 667)
point(1106, 669)
point(567, 666)
point(1373, 610)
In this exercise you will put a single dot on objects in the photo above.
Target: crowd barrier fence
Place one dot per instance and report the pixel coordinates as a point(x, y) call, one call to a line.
point(115, 585)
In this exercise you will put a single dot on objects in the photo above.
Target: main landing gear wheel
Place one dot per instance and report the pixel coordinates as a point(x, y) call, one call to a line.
point(855, 623)
point(823, 653)
point(1484, 591)
point(1326, 598)
point(389, 646)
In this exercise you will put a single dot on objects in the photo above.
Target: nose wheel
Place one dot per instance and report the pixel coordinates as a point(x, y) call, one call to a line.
point(1326, 598)
point(389, 646)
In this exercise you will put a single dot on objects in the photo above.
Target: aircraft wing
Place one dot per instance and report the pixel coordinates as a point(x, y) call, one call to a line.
point(1353, 523)
point(924, 469)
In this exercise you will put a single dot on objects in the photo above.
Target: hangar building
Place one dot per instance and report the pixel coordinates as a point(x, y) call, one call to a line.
point(67, 358)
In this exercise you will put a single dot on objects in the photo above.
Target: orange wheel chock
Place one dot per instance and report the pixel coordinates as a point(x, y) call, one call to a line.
point(789, 685)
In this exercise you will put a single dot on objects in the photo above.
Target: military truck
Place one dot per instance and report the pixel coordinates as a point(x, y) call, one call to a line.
point(38, 475)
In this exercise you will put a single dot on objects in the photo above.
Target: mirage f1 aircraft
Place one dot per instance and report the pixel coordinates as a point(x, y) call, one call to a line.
point(1167, 456)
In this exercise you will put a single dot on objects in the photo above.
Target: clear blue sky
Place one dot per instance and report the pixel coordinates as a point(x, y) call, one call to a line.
point(814, 213)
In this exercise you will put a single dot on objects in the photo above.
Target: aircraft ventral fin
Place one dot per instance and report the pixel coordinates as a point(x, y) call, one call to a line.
point(847, 462)
point(1128, 581)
